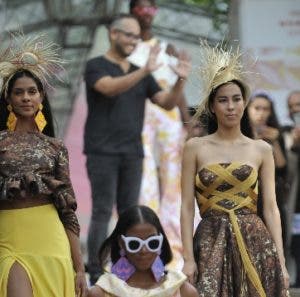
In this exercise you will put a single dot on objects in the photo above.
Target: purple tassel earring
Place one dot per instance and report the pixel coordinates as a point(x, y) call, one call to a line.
point(158, 268)
point(123, 269)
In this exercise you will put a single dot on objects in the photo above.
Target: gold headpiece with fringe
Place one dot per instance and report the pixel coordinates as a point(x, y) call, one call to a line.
point(33, 53)
point(218, 66)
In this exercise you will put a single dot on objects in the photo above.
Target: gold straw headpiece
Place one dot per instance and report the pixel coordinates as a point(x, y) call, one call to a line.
point(33, 53)
point(218, 66)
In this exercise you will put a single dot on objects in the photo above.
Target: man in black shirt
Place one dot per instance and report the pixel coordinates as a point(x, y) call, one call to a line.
point(116, 94)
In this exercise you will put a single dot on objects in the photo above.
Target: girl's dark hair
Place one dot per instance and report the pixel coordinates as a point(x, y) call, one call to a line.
point(209, 120)
point(110, 249)
point(49, 129)
point(272, 120)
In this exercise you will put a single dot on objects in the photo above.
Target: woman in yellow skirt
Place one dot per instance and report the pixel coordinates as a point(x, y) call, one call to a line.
point(39, 231)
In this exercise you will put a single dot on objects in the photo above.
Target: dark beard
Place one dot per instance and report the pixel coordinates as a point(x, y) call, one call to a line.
point(121, 52)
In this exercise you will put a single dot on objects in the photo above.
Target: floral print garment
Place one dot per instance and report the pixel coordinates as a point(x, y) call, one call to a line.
point(163, 140)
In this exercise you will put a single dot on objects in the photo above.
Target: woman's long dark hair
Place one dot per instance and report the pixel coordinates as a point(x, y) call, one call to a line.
point(49, 128)
point(209, 120)
point(110, 249)
point(272, 120)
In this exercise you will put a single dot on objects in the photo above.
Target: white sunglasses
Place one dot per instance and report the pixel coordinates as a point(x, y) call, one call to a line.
point(135, 244)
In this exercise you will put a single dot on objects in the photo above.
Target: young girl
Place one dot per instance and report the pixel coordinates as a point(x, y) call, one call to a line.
point(139, 250)
point(233, 253)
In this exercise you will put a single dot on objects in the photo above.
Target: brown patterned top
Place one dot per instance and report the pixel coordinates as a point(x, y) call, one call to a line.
point(33, 164)
point(232, 183)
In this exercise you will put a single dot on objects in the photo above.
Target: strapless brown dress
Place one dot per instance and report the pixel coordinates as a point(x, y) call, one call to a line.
point(234, 251)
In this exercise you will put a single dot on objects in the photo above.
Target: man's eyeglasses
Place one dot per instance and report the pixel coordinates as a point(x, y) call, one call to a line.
point(135, 244)
point(129, 34)
point(145, 10)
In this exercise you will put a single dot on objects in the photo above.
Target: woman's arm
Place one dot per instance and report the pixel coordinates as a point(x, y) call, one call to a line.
point(65, 202)
point(279, 157)
point(185, 115)
point(188, 290)
point(95, 291)
point(273, 136)
point(270, 208)
point(170, 99)
point(80, 280)
point(188, 207)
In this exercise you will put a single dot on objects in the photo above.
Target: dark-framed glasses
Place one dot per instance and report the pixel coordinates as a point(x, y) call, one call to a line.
point(129, 34)
point(135, 244)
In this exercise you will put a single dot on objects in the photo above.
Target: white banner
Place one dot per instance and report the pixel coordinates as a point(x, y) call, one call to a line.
point(270, 32)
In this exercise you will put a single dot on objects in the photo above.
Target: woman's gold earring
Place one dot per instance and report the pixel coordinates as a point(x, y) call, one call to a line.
point(11, 120)
point(40, 119)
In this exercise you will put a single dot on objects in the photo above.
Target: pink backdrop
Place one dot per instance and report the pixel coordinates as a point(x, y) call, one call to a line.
point(74, 143)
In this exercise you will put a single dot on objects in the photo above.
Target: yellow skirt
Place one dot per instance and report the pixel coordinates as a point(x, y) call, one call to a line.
point(36, 239)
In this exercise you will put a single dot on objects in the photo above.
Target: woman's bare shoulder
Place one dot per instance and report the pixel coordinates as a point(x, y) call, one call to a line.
point(259, 150)
point(262, 146)
point(198, 141)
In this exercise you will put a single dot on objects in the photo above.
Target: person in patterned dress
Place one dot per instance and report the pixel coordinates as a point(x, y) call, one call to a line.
point(39, 231)
point(232, 253)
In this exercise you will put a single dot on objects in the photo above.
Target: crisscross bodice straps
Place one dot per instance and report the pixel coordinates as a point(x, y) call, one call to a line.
point(210, 196)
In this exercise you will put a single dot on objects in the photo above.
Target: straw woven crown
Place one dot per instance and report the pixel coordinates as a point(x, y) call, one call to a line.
point(33, 53)
point(218, 66)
